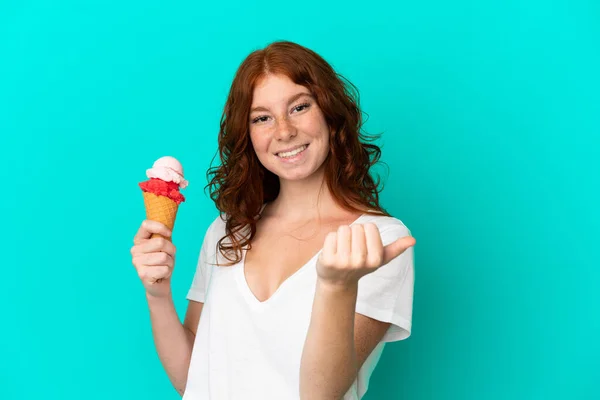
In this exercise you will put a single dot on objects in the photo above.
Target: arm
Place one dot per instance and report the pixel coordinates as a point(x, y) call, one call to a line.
point(172, 339)
point(337, 344)
point(338, 341)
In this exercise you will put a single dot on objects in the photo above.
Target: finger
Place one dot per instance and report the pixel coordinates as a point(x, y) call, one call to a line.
point(396, 248)
point(157, 244)
point(359, 247)
point(374, 246)
point(344, 242)
point(153, 259)
point(330, 245)
point(153, 274)
point(147, 228)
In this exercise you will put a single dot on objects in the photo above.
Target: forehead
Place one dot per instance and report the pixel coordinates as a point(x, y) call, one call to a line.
point(273, 89)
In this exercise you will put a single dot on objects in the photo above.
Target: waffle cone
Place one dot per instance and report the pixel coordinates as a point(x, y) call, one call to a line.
point(161, 209)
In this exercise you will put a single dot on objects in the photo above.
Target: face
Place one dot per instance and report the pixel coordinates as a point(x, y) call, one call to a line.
point(287, 128)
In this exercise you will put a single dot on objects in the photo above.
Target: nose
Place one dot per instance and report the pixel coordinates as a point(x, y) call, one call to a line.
point(285, 130)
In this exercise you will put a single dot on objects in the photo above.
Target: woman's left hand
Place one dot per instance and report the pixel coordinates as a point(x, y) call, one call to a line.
point(355, 251)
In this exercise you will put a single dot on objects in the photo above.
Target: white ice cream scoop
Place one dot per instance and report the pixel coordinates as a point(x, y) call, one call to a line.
point(168, 169)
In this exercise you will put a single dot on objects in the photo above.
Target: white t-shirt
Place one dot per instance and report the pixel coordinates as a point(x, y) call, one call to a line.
point(251, 350)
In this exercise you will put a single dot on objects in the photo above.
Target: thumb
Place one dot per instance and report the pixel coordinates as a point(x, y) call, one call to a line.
point(396, 248)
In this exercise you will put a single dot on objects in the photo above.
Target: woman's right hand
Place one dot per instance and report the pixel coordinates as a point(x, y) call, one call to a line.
point(154, 258)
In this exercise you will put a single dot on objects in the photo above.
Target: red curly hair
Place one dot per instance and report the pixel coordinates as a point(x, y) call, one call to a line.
point(241, 184)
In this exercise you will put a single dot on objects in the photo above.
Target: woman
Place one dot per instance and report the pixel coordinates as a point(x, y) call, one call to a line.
point(304, 277)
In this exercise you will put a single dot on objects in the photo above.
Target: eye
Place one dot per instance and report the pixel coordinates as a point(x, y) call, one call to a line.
point(305, 105)
point(259, 119)
point(298, 108)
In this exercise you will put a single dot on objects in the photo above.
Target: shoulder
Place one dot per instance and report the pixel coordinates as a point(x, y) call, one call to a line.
point(216, 229)
point(212, 235)
point(386, 224)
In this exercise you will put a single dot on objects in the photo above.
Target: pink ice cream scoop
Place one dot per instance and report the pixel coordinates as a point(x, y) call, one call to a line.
point(168, 169)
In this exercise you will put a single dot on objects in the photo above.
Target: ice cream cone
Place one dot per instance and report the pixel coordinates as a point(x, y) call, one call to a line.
point(161, 192)
point(161, 209)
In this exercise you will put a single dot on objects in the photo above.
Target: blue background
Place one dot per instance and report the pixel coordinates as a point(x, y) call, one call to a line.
point(490, 120)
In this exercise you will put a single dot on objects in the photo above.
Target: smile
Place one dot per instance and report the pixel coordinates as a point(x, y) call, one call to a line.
point(292, 153)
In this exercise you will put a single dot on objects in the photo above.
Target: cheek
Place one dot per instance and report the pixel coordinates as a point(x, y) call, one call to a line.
point(259, 142)
point(317, 128)
point(313, 127)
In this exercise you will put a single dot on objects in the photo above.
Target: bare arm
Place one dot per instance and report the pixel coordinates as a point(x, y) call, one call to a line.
point(338, 339)
point(337, 344)
point(174, 340)
point(154, 260)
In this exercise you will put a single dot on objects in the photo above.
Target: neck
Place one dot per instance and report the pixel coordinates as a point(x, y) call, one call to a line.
point(304, 200)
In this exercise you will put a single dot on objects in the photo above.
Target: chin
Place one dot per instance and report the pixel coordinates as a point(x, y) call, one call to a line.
point(296, 175)
point(291, 176)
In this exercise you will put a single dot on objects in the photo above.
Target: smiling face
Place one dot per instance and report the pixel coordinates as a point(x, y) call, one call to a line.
point(287, 128)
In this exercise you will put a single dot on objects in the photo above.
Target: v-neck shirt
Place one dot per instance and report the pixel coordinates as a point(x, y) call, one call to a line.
point(248, 349)
point(247, 291)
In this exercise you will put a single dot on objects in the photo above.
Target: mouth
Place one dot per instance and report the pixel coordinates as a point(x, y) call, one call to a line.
point(294, 152)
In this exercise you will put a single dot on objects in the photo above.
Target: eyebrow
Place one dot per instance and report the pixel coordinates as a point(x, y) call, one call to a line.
point(291, 100)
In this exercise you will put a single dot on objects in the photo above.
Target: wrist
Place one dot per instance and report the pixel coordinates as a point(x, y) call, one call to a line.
point(162, 299)
point(338, 287)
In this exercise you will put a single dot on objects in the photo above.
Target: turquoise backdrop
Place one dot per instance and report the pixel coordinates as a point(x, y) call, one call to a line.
point(490, 119)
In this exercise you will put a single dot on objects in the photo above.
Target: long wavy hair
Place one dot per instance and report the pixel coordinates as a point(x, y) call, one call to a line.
point(241, 185)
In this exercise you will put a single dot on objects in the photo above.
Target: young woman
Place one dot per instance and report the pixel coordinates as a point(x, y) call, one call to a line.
point(303, 277)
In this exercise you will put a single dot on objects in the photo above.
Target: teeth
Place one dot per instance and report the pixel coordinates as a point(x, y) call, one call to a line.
point(293, 152)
